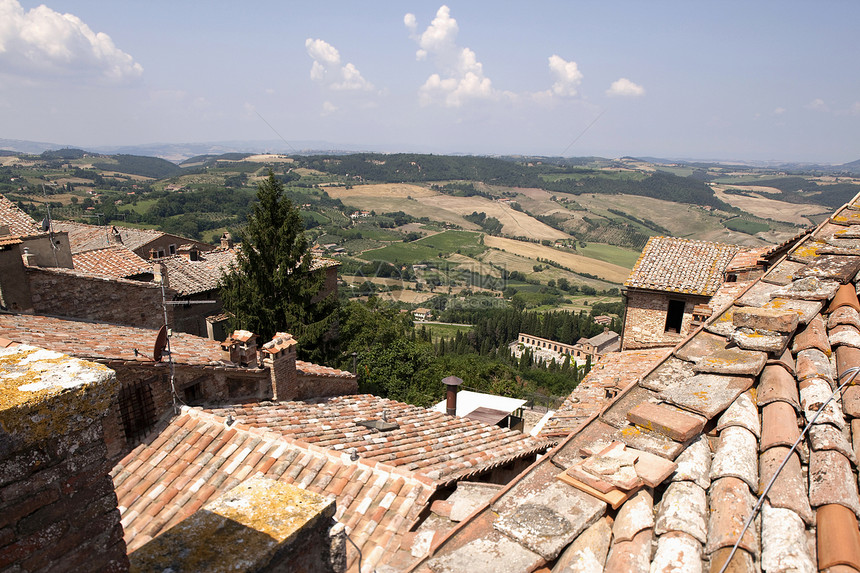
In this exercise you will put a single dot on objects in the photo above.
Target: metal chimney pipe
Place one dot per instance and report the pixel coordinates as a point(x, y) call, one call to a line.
point(451, 383)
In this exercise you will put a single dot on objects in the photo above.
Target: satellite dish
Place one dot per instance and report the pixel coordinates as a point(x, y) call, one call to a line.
point(160, 344)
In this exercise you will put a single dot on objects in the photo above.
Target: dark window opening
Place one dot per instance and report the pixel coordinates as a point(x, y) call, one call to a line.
point(137, 410)
point(193, 393)
point(172, 249)
point(675, 316)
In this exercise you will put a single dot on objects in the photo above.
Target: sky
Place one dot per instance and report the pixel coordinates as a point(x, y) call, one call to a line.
point(728, 80)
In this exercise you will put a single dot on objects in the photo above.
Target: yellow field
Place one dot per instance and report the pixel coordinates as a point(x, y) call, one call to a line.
point(578, 263)
point(401, 190)
point(442, 207)
point(513, 222)
point(769, 208)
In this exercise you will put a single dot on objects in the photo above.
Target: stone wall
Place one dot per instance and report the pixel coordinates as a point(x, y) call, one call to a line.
point(118, 301)
point(140, 381)
point(58, 509)
point(14, 288)
point(645, 318)
point(191, 318)
point(310, 386)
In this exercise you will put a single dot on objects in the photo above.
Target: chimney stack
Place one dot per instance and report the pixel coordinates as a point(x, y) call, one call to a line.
point(226, 241)
point(29, 258)
point(451, 383)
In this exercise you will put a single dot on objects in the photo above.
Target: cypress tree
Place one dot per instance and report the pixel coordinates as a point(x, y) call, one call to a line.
point(272, 288)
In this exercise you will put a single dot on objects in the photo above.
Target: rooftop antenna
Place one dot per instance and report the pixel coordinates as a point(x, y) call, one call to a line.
point(47, 223)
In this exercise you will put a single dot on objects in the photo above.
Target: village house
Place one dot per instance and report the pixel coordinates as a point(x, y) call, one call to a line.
point(685, 458)
point(422, 313)
point(116, 274)
point(672, 278)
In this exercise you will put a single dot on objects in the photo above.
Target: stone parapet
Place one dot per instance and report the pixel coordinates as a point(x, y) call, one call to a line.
point(58, 509)
point(260, 525)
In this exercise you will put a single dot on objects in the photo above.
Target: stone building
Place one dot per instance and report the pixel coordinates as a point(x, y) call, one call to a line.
point(202, 370)
point(669, 281)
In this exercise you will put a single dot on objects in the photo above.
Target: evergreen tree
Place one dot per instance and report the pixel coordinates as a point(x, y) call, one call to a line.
point(271, 288)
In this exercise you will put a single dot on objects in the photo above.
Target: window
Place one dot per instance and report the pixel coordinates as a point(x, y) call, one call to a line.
point(193, 393)
point(137, 409)
point(675, 316)
point(171, 249)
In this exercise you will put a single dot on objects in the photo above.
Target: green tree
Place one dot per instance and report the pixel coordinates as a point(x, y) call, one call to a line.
point(272, 288)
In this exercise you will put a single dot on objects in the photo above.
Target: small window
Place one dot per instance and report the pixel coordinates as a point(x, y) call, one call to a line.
point(675, 316)
point(136, 409)
point(172, 249)
point(193, 393)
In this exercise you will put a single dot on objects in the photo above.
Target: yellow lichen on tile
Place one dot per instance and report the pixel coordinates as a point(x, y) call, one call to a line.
point(45, 393)
point(239, 531)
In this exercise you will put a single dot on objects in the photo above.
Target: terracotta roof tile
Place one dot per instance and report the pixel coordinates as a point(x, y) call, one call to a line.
point(189, 277)
point(681, 265)
point(431, 444)
point(21, 225)
point(83, 237)
point(175, 486)
point(615, 371)
point(116, 261)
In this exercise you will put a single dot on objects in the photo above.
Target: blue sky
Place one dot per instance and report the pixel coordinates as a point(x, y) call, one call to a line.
point(716, 80)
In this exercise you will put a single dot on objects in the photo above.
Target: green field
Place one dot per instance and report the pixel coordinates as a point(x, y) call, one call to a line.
point(430, 248)
point(437, 331)
point(746, 226)
point(610, 254)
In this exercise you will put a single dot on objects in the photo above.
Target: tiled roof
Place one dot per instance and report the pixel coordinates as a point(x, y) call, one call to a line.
point(429, 444)
point(109, 342)
point(189, 277)
point(112, 262)
point(83, 237)
point(681, 265)
point(20, 223)
point(614, 371)
point(725, 409)
point(311, 369)
point(747, 258)
point(198, 457)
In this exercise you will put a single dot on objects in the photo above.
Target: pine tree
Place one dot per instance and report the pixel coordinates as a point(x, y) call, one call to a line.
point(271, 288)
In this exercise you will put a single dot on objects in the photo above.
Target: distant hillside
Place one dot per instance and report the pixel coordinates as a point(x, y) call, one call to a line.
point(154, 167)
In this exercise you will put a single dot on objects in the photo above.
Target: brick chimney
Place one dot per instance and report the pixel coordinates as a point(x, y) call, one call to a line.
point(29, 258)
point(226, 241)
point(115, 236)
point(241, 348)
point(159, 274)
point(279, 356)
point(451, 383)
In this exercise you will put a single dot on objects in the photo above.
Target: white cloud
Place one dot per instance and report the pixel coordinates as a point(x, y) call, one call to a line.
point(460, 76)
point(818, 104)
point(855, 108)
point(327, 68)
point(779, 111)
point(566, 74)
point(625, 88)
point(328, 108)
point(53, 44)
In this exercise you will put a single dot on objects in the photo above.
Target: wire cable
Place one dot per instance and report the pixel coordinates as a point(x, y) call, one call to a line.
point(854, 371)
